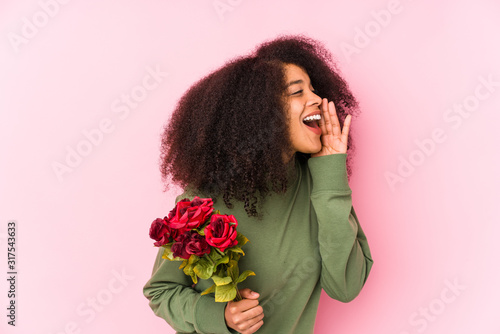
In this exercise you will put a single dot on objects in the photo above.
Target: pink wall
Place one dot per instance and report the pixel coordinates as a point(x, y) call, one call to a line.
point(424, 186)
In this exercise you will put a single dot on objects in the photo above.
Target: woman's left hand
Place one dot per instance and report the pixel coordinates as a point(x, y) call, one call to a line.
point(333, 140)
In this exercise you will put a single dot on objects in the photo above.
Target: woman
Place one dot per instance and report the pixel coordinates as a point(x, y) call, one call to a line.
point(267, 137)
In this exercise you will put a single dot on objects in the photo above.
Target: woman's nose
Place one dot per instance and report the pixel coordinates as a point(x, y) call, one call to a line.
point(314, 99)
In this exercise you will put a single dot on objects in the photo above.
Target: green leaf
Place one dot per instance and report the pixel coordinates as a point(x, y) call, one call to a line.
point(193, 259)
point(234, 256)
point(221, 280)
point(224, 259)
point(165, 253)
point(188, 270)
point(202, 230)
point(236, 249)
point(217, 258)
point(218, 251)
point(210, 289)
point(214, 255)
point(204, 269)
point(225, 293)
point(244, 275)
point(222, 271)
point(169, 255)
point(233, 269)
point(241, 239)
point(184, 263)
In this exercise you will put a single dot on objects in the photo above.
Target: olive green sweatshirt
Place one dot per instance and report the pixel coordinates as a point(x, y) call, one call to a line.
point(309, 240)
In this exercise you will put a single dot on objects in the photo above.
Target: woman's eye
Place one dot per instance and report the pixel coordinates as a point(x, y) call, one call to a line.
point(300, 91)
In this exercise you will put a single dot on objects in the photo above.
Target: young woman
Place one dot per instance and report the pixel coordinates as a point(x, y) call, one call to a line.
point(267, 137)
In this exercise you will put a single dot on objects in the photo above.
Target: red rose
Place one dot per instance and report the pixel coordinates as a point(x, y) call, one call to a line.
point(221, 232)
point(189, 243)
point(179, 247)
point(159, 231)
point(190, 214)
point(171, 214)
point(173, 232)
point(197, 245)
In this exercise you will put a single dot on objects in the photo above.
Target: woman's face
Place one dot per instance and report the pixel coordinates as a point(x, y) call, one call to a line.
point(303, 111)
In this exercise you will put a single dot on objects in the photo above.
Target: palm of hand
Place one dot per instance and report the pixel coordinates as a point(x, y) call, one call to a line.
point(333, 140)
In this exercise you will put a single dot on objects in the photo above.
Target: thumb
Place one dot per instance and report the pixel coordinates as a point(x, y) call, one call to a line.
point(248, 294)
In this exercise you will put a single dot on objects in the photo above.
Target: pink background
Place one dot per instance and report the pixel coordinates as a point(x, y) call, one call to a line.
point(408, 62)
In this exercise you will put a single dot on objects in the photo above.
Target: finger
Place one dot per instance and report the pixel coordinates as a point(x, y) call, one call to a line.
point(254, 327)
point(334, 119)
point(323, 108)
point(250, 318)
point(249, 294)
point(345, 129)
point(328, 120)
point(246, 323)
point(244, 305)
point(253, 312)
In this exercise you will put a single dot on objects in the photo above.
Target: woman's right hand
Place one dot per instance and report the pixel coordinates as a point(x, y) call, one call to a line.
point(245, 316)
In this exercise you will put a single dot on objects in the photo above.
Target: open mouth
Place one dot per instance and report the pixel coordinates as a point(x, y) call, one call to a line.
point(312, 121)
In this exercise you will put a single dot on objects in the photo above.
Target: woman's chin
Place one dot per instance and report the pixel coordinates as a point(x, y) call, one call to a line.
point(312, 151)
point(312, 148)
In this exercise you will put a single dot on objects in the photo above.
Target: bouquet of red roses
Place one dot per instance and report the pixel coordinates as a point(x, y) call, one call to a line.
point(206, 242)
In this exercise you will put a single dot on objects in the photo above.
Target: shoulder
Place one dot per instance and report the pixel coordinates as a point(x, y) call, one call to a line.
point(189, 192)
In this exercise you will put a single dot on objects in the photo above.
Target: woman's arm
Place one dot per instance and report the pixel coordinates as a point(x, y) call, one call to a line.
point(345, 255)
point(172, 298)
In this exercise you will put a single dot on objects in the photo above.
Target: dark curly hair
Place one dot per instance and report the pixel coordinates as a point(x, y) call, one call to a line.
point(229, 132)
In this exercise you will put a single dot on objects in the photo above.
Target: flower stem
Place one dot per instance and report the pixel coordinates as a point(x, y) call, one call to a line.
point(238, 296)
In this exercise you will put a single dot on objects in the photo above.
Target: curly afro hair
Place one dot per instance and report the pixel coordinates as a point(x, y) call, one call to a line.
point(229, 132)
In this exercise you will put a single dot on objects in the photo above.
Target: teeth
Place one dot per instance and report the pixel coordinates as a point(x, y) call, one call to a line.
point(312, 118)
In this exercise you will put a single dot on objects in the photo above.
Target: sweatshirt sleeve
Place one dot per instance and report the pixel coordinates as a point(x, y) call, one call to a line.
point(345, 255)
point(172, 298)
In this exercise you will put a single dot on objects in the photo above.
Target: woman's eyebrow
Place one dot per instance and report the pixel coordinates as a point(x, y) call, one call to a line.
point(295, 82)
